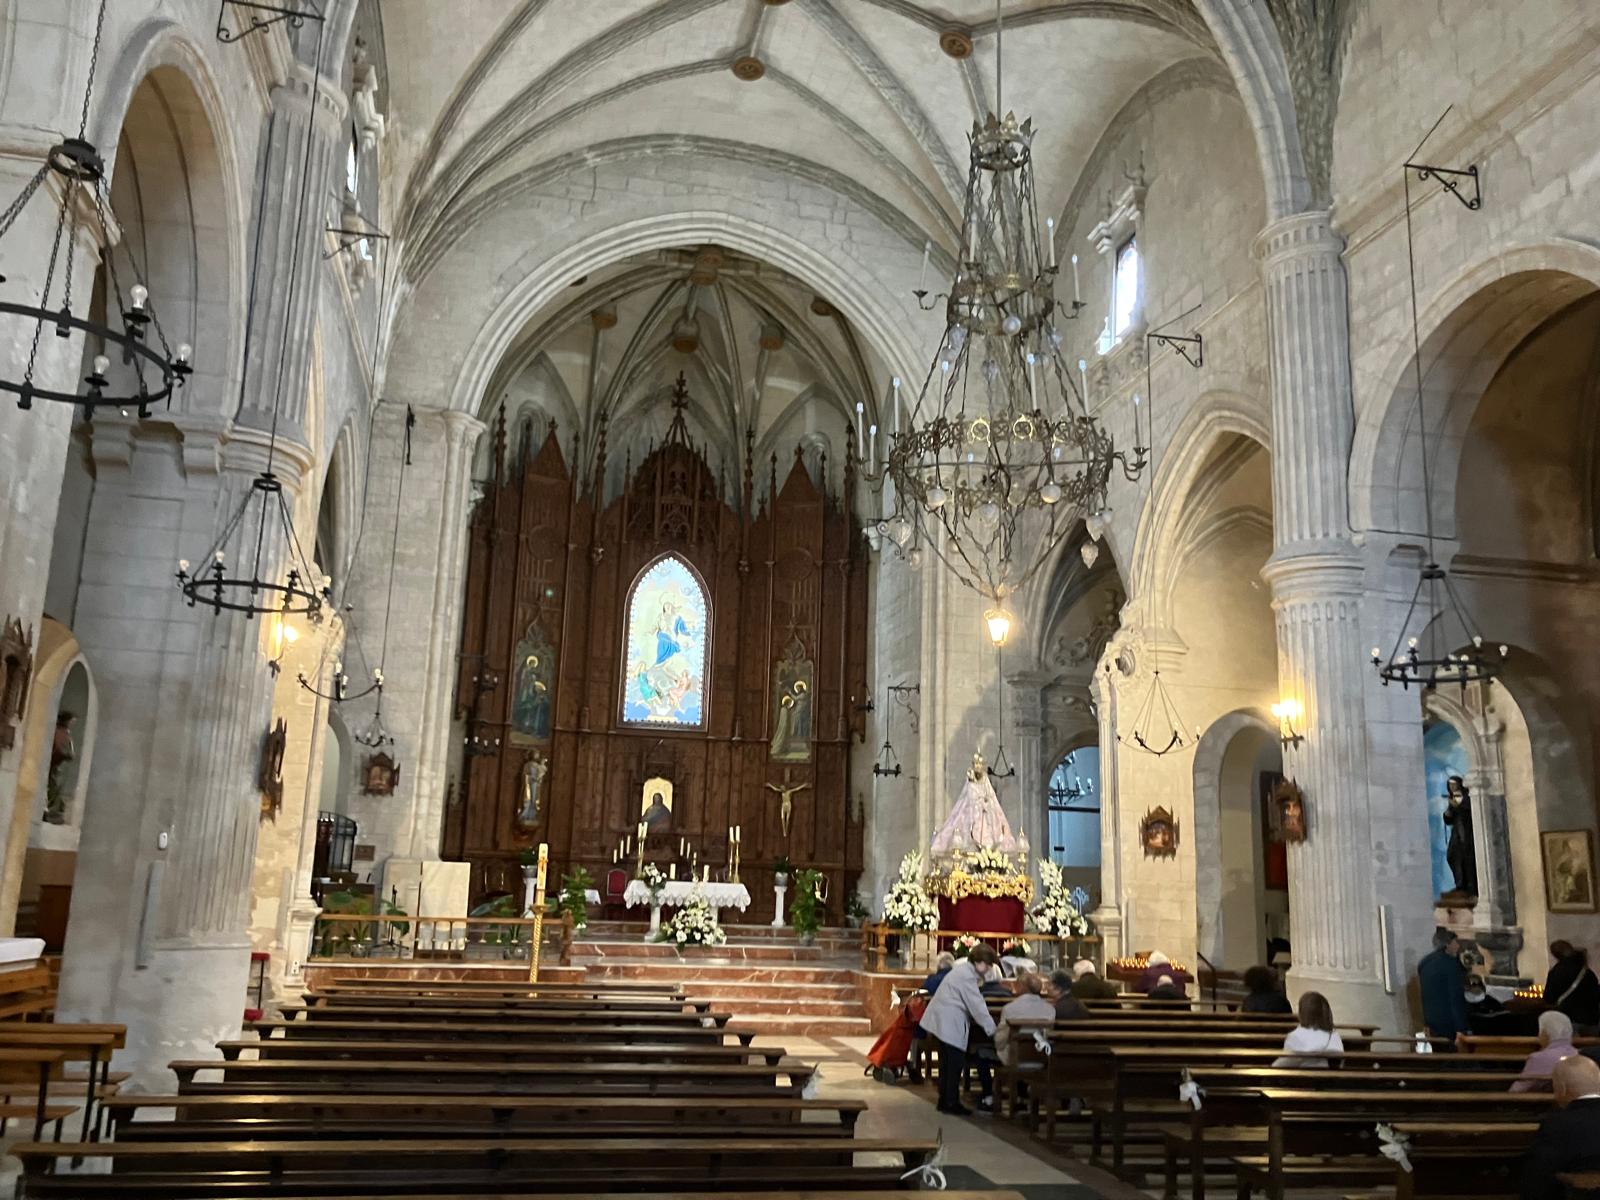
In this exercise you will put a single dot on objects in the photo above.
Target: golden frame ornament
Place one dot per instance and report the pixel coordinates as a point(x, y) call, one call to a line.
point(1158, 833)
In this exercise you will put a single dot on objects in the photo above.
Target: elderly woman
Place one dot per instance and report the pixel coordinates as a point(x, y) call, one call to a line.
point(1555, 1043)
point(1158, 968)
point(955, 1009)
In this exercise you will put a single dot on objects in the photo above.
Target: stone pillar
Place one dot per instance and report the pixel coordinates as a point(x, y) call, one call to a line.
point(1351, 876)
point(1108, 915)
point(1025, 708)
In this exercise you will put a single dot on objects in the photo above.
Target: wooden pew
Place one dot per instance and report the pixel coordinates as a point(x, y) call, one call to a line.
point(1478, 1159)
point(652, 1078)
point(556, 1004)
point(556, 986)
point(488, 1114)
point(502, 1051)
point(505, 1166)
point(500, 1031)
point(35, 1066)
point(400, 1011)
point(78, 1042)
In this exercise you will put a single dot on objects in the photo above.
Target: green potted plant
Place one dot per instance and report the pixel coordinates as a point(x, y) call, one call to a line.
point(575, 885)
point(855, 911)
point(805, 914)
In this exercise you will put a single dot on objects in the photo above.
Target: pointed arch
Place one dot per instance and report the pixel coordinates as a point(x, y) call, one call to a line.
point(666, 647)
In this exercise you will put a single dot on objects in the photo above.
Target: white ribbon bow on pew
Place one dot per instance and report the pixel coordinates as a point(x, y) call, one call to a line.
point(809, 1092)
point(1393, 1145)
point(1042, 1043)
point(894, 999)
point(1190, 1092)
point(708, 1022)
point(930, 1173)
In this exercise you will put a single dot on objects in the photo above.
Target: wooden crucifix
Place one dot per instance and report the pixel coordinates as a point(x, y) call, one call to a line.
point(786, 794)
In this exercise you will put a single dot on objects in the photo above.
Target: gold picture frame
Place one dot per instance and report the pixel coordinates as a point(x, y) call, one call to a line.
point(1569, 870)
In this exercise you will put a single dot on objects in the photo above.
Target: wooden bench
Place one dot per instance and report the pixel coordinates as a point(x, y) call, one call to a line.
point(550, 1004)
point(352, 1047)
point(487, 1113)
point(1473, 1158)
point(652, 1078)
point(36, 1067)
point(505, 1166)
point(403, 1012)
point(83, 1042)
point(496, 1030)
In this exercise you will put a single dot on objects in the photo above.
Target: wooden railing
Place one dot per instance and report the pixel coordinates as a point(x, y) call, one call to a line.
point(458, 939)
point(884, 948)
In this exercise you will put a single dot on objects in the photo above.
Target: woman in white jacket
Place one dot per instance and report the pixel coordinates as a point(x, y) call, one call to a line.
point(956, 1007)
point(1315, 1039)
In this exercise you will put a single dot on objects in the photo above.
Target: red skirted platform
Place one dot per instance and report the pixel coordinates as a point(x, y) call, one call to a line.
point(981, 914)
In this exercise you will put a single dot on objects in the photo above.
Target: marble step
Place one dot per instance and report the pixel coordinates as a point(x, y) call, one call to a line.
point(588, 952)
point(770, 1025)
point(691, 973)
point(745, 931)
point(787, 1004)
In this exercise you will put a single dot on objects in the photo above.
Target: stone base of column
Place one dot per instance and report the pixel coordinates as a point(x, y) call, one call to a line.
point(1108, 924)
point(188, 999)
point(1358, 1001)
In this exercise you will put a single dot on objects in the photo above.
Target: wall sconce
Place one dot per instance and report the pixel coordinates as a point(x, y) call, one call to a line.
point(1287, 713)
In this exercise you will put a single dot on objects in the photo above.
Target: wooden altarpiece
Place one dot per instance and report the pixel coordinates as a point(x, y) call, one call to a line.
point(551, 569)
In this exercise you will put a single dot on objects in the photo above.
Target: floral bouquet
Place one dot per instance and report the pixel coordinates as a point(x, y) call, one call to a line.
point(1016, 948)
point(908, 905)
point(1059, 912)
point(653, 879)
point(988, 861)
point(695, 924)
point(963, 945)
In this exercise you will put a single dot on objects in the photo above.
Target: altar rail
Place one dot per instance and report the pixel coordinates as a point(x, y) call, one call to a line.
point(448, 939)
point(884, 948)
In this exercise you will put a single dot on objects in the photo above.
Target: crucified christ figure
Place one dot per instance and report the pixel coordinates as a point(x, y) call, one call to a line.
point(786, 792)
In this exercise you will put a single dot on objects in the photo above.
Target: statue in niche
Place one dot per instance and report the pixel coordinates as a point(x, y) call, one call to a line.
point(530, 699)
point(1461, 853)
point(534, 768)
point(62, 752)
point(791, 713)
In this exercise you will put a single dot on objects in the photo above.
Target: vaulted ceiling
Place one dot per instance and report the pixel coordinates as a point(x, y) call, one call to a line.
point(869, 96)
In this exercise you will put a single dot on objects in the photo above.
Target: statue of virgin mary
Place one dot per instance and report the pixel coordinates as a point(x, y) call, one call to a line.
point(977, 822)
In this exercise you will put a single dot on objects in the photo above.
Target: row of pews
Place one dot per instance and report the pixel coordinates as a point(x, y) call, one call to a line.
point(399, 1088)
point(1152, 1091)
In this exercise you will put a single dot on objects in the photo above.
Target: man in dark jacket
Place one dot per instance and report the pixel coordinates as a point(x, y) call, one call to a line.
point(1068, 1006)
point(1444, 1001)
point(1569, 1138)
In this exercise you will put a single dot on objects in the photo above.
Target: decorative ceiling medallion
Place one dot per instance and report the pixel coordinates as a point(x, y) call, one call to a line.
point(957, 43)
point(749, 68)
point(708, 262)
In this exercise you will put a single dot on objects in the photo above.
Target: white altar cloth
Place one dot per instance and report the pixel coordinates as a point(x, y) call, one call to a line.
point(675, 893)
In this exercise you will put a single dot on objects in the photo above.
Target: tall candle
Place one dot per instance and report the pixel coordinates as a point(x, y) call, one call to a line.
point(1136, 418)
point(861, 437)
point(1075, 299)
point(708, 873)
point(872, 443)
point(672, 870)
point(894, 406)
point(1083, 378)
point(1050, 238)
point(927, 249)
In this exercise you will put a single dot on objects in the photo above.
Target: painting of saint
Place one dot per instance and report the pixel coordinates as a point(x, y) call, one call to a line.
point(665, 661)
point(1569, 870)
point(656, 809)
point(530, 699)
point(791, 707)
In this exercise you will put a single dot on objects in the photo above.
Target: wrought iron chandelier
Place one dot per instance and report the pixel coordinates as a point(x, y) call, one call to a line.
point(152, 373)
point(232, 575)
point(1000, 458)
point(1449, 648)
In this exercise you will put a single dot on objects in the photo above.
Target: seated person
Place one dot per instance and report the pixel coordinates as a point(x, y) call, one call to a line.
point(1167, 989)
point(1569, 1138)
point(1265, 996)
point(1571, 985)
point(1068, 1006)
point(1028, 1008)
point(1485, 1014)
point(1309, 1043)
point(1555, 1044)
point(1087, 984)
point(941, 968)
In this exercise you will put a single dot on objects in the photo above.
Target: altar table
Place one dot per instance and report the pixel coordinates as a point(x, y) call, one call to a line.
point(676, 892)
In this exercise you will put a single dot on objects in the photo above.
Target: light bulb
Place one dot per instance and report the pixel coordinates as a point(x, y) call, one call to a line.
point(999, 622)
point(102, 364)
point(988, 513)
point(1095, 523)
point(138, 294)
point(1090, 553)
point(936, 498)
point(185, 352)
point(897, 383)
point(1050, 493)
point(183, 565)
point(1477, 640)
point(1504, 651)
point(1011, 325)
point(958, 335)
point(914, 559)
point(1377, 654)
point(945, 366)
point(219, 556)
point(1411, 643)
point(289, 635)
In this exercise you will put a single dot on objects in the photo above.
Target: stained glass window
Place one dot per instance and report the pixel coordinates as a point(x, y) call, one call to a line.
point(664, 680)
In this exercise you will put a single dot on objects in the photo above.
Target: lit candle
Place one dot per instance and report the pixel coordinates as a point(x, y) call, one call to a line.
point(1083, 377)
point(872, 443)
point(613, 856)
point(861, 435)
point(708, 873)
point(927, 249)
point(1075, 299)
point(1136, 418)
point(672, 870)
point(1050, 239)
point(894, 410)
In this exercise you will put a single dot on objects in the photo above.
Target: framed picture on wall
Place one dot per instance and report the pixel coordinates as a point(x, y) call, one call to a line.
point(1569, 870)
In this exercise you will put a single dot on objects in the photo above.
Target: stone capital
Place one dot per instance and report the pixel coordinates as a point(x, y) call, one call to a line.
point(1291, 240)
point(1317, 569)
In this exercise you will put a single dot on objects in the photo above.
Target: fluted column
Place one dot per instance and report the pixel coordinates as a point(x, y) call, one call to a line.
point(1108, 915)
point(1347, 880)
point(1026, 700)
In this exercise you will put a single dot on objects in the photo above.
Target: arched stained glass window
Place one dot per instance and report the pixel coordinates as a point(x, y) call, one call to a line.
point(667, 635)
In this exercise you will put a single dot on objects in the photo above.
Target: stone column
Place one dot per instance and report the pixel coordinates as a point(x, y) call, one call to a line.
point(1108, 916)
point(1025, 711)
point(1351, 876)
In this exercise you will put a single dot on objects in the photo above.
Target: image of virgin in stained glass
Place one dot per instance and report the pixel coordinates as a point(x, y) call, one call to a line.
point(666, 649)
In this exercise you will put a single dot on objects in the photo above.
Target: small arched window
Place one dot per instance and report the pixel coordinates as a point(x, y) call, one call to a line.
point(667, 641)
point(1125, 288)
point(352, 167)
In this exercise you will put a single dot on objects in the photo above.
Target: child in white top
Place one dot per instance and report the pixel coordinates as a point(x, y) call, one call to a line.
point(1315, 1039)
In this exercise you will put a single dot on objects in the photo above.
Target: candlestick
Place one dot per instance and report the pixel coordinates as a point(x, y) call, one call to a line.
point(861, 442)
point(1075, 300)
point(922, 282)
point(894, 424)
point(1083, 378)
point(872, 443)
point(1136, 418)
point(1050, 238)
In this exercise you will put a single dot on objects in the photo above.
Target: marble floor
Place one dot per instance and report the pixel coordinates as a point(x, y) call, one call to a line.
point(980, 1151)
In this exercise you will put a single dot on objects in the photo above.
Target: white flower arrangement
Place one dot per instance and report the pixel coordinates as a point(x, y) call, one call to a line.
point(1057, 912)
point(654, 880)
point(694, 924)
point(988, 861)
point(907, 904)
